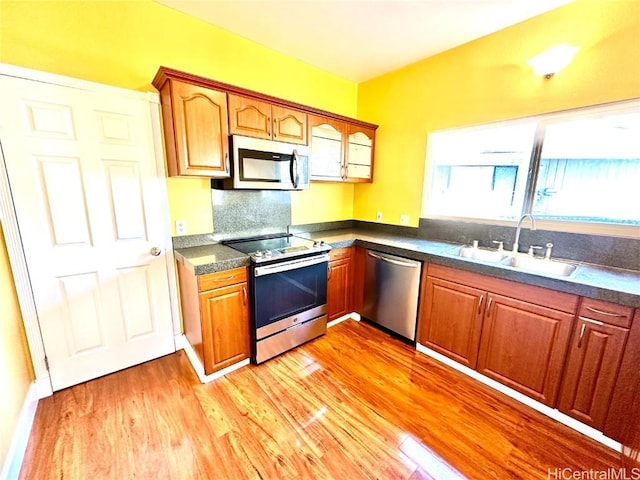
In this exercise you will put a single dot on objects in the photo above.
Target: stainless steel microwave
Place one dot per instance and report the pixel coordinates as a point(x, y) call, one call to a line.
point(259, 164)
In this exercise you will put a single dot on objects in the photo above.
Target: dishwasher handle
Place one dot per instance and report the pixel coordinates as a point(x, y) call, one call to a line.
point(395, 262)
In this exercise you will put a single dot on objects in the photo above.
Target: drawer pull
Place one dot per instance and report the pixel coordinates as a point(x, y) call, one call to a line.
point(244, 295)
point(480, 304)
point(225, 279)
point(602, 312)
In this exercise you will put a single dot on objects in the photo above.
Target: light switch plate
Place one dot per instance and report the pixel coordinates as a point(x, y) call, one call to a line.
point(378, 216)
point(181, 227)
point(404, 219)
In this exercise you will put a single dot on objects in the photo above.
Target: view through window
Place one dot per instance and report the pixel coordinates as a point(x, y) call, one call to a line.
point(581, 166)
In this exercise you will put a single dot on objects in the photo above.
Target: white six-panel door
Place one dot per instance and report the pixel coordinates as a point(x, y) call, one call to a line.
point(82, 172)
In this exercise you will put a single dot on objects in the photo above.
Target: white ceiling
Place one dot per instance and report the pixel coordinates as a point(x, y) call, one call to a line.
point(361, 39)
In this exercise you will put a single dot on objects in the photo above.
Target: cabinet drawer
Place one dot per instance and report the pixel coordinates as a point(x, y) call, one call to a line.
point(338, 253)
point(606, 312)
point(221, 279)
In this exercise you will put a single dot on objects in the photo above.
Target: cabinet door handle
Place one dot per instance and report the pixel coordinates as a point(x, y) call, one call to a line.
point(588, 320)
point(226, 163)
point(480, 304)
point(602, 312)
point(582, 329)
point(489, 305)
point(244, 295)
point(328, 273)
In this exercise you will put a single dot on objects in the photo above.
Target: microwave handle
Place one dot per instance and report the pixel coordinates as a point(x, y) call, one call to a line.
point(295, 174)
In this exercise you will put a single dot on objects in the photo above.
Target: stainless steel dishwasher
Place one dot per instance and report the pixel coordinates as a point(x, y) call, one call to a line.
point(391, 289)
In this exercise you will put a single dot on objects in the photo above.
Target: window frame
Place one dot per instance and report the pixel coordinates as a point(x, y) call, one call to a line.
point(541, 121)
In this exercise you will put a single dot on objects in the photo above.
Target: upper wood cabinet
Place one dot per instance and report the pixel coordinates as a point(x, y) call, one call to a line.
point(359, 158)
point(200, 113)
point(340, 151)
point(255, 118)
point(327, 141)
point(195, 130)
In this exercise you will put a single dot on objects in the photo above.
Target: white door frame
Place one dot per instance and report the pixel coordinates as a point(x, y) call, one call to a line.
point(12, 233)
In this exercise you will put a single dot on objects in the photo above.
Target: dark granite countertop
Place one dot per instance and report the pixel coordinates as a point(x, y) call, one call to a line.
point(211, 258)
point(595, 281)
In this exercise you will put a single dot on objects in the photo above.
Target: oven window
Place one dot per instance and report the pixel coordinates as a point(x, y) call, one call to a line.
point(279, 295)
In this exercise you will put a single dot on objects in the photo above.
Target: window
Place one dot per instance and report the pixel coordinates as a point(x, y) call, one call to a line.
point(580, 166)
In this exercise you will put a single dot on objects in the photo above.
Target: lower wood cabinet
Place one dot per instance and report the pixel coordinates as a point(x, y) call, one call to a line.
point(340, 281)
point(595, 355)
point(623, 419)
point(451, 320)
point(215, 311)
point(496, 327)
point(523, 346)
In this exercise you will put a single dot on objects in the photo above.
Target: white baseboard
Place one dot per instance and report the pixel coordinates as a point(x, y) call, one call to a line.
point(540, 407)
point(43, 386)
point(353, 316)
point(18, 446)
point(183, 343)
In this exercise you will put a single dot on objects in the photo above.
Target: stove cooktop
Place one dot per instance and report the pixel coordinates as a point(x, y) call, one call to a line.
point(277, 247)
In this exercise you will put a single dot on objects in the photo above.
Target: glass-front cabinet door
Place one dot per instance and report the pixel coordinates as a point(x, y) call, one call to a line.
point(326, 146)
point(359, 154)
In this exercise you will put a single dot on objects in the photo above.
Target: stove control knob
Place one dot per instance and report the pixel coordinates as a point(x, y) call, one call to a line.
point(316, 243)
point(267, 253)
point(321, 242)
point(258, 254)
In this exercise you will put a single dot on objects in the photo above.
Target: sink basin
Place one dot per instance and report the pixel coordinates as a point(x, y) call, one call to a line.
point(540, 265)
point(492, 256)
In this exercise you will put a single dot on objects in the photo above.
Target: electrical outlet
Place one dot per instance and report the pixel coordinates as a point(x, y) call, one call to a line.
point(181, 227)
point(378, 216)
point(404, 219)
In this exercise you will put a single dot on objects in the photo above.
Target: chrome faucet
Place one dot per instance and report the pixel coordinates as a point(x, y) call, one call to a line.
point(517, 239)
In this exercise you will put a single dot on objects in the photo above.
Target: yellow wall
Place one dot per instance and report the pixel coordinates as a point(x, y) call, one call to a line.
point(488, 80)
point(123, 43)
point(15, 374)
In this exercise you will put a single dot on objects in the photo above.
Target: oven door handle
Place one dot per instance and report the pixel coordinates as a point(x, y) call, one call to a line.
point(290, 265)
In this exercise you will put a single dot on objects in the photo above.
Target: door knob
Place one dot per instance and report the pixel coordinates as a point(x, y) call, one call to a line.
point(156, 251)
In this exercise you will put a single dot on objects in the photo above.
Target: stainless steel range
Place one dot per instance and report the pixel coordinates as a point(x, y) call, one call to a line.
point(288, 291)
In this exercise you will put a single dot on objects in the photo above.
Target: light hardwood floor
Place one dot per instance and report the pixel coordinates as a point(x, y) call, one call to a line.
point(354, 404)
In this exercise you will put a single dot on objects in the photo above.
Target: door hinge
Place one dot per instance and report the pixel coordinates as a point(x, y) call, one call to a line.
point(46, 362)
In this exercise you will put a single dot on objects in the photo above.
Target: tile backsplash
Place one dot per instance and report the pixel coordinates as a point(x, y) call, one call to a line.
point(618, 252)
point(243, 213)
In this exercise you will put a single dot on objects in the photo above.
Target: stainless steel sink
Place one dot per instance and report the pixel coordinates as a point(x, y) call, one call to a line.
point(541, 265)
point(481, 255)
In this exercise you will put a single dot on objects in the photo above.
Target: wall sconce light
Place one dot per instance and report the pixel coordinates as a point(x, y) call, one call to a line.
point(553, 60)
